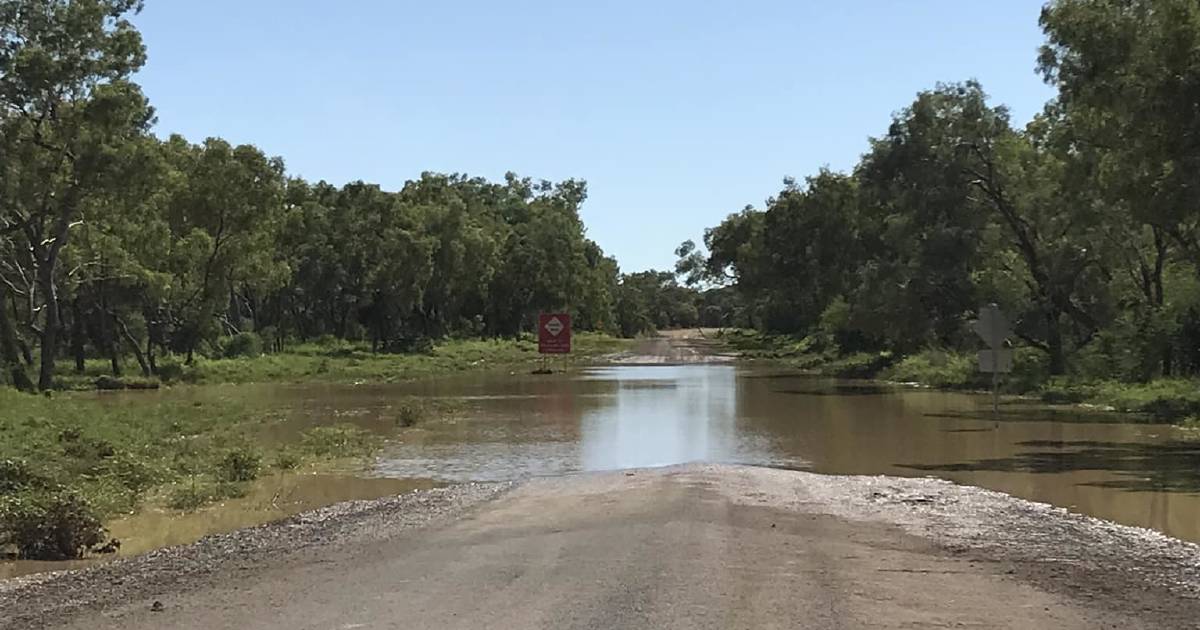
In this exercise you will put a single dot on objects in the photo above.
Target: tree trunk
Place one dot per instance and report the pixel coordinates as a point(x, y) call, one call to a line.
point(114, 359)
point(50, 329)
point(9, 354)
point(109, 333)
point(1161, 250)
point(150, 355)
point(133, 345)
point(1054, 344)
point(22, 346)
point(77, 343)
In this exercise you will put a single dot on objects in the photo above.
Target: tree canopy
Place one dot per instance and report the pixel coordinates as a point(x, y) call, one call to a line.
point(115, 242)
point(1082, 224)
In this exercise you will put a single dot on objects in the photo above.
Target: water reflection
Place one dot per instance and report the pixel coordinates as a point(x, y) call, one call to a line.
point(603, 419)
point(662, 416)
point(512, 426)
point(617, 417)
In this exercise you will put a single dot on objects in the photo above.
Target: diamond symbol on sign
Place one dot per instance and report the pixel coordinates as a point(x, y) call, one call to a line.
point(554, 326)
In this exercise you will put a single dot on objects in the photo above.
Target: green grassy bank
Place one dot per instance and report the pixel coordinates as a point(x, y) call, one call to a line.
point(338, 361)
point(1162, 400)
point(71, 461)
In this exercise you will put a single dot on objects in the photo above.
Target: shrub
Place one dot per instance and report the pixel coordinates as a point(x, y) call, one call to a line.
point(409, 414)
point(109, 383)
point(241, 345)
point(85, 449)
point(17, 475)
point(229, 490)
point(1031, 369)
point(858, 365)
point(1166, 399)
point(936, 368)
point(171, 372)
point(238, 465)
point(327, 341)
point(1060, 391)
point(189, 497)
point(49, 525)
point(270, 337)
point(287, 459)
point(409, 345)
point(134, 473)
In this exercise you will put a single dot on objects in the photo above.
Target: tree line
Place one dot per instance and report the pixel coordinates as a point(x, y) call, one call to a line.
point(1084, 224)
point(115, 243)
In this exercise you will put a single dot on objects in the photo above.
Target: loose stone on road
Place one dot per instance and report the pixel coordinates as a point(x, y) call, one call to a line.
point(699, 546)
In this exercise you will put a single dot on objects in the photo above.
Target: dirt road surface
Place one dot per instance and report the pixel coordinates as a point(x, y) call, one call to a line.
point(696, 546)
point(699, 546)
point(675, 347)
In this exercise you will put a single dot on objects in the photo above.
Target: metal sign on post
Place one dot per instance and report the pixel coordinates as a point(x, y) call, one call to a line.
point(992, 326)
point(554, 333)
point(995, 330)
point(995, 361)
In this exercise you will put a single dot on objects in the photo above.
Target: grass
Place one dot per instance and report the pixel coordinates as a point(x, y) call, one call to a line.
point(936, 368)
point(71, 461)
point(1162, 400)
point(346, 362)
point(809, 354)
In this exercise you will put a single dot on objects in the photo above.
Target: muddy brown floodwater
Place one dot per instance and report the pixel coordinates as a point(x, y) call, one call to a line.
point(513, 426)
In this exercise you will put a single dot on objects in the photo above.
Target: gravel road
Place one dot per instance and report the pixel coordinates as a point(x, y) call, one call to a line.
point(698, 546)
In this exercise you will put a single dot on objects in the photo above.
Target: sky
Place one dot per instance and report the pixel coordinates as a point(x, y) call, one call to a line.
point(677, 113)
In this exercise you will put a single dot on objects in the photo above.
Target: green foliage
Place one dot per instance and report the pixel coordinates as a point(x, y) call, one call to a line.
point(18, 475)
point(341, 440)
point(1031, 370)
point(653, 300)
point(409, 414)
point(1082, 225)
point(936, 368)
point(239, 465)
point(1163, 400)
point(174, 372)
point(55, 524)
point(243, 345)
point(858, 365)
point(117, 244)
point(133, 472)
point(287, 459)
point(342, 361)
point(190, 497)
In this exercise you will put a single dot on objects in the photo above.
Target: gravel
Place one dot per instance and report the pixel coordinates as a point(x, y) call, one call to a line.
point(1117, 567)
point(37, 600)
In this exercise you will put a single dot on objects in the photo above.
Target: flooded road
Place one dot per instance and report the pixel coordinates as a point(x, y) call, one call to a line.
point(514, 426)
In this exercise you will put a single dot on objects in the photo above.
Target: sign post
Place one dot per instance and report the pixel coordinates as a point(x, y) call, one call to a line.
point(994, 329)
point(554, 335)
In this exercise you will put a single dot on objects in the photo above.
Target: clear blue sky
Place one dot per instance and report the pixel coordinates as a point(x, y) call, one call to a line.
point(675, 112)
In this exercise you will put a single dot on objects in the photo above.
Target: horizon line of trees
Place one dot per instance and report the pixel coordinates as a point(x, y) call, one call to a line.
point(1084, 224)
point(116, 243)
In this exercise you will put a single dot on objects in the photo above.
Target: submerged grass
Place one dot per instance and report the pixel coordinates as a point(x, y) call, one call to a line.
point(1171, 400)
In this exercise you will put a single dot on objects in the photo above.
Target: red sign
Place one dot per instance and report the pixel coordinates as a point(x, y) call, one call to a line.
point(554, 333)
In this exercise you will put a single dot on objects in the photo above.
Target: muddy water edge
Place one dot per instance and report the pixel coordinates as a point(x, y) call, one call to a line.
point(513, 426)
